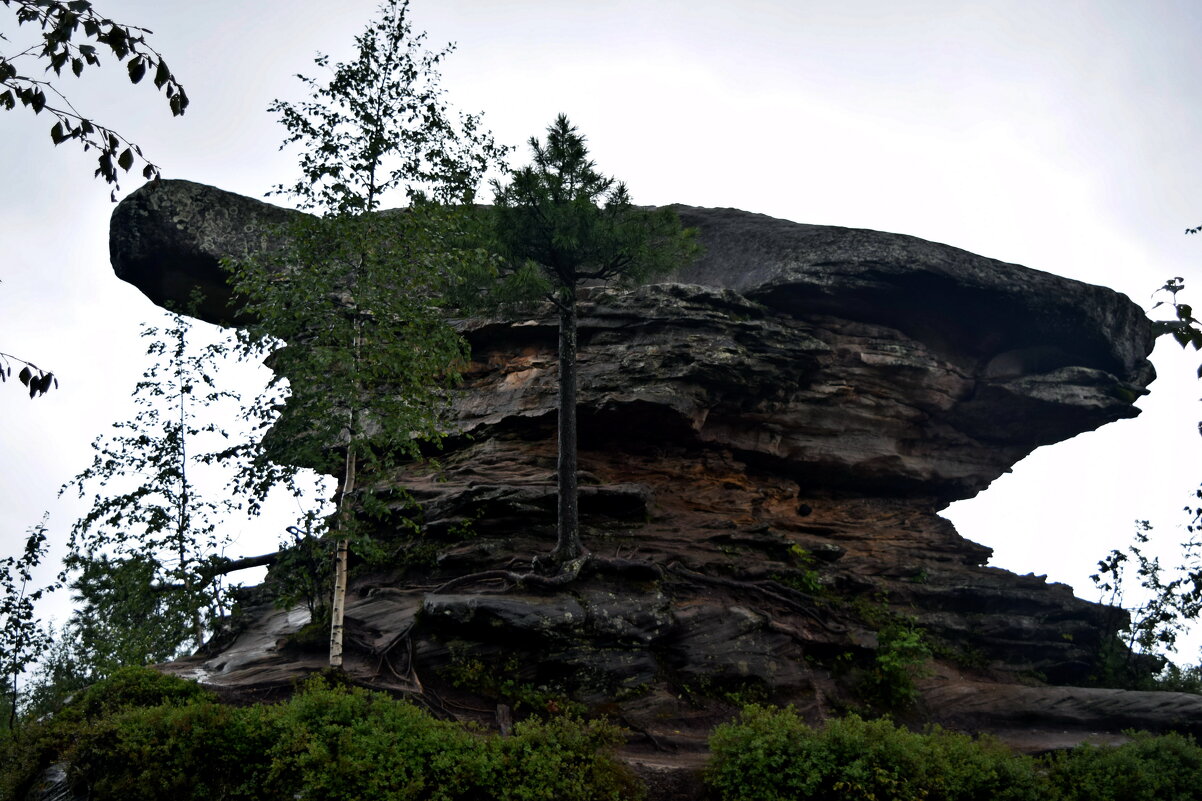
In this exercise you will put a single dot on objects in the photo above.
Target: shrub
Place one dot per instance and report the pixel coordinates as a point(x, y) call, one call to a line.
point(135, 687)
point(772, 755)
point(200, 751)
point(900, 658)
point(564, 759)
point(345, 743)
point(325, 743)
point(24, 756)
point(1150, 768)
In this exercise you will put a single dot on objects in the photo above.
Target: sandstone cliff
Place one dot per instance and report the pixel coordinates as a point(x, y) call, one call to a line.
point(767, 439)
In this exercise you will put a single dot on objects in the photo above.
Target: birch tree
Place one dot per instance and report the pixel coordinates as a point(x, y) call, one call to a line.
point(353, 310)
point(145, 556)
point(23, 638)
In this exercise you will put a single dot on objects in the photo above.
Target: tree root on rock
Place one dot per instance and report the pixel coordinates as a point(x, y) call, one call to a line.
point(788, 597)
point(568, 572)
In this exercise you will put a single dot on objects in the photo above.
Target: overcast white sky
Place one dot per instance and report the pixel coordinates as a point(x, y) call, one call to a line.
point(1060, 135)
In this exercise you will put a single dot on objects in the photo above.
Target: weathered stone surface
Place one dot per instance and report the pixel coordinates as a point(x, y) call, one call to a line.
point(168, 237)
point(961, 304)
point(766, 440)
point(1008, 707)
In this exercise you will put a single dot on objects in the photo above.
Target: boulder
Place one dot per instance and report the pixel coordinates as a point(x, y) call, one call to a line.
point(767, 437)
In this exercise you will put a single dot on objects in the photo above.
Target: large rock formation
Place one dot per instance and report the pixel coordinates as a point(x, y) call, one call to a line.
point(767, 437)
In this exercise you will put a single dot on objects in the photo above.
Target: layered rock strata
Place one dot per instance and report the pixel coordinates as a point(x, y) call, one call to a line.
point(767, 437)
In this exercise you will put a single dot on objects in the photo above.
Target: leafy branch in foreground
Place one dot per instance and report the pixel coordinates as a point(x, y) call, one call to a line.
point(35, 379)
point(72, 36)
point(1185, 329)
point(1169, 598)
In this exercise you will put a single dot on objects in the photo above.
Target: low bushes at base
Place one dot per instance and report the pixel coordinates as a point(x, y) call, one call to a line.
point(773, 755)
point(141, 736)
point(1163, 768)
point(327, 743)
point(770, 754)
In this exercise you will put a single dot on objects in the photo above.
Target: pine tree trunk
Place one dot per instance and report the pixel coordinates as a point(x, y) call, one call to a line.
point(568, 545)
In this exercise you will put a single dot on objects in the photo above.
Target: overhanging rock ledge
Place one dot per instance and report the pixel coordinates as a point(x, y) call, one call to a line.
point(772, 430)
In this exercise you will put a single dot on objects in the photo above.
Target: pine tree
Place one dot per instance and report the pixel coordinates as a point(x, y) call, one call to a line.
point(574, 226)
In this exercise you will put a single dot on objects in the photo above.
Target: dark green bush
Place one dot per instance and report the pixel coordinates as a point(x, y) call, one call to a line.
point(770, 754)
point(326, 743)
point(900, 658)
point(564, 759)
point(135, 687)
point(201, 751)
point(1164, 768)
point(26, 752)
point(339, 743)
point(145, 737)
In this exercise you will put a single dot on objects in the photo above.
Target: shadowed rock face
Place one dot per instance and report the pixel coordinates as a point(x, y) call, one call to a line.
point(167, 238)
point(766, 438)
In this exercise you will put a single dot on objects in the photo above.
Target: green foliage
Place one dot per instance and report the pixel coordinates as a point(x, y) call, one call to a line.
point(559, 223)
point(887, 681)
point(500, 681)
point(1179, 679)
point(736, 691)
point(22, 637)
point(143, 556)
point(72, 35)
point(1169, 598)
point(340, 744)
point(201, 750)
point(1164, 768)
point(369, 358)
point(148, 739)
point(1185, 329)
point(563, 759)
point(61, 672)
point(142, 735)
point(304, 571)
point(381, 123)
point(135, 687)
point(120, 619)
point(352, 309)
point(770, 754)
point(575, 224)
point(314, 635)
point(370, 353)
point(901, 654)
point(805, 577)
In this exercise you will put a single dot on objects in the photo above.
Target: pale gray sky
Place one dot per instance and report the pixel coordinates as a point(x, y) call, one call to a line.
point(1060, 135)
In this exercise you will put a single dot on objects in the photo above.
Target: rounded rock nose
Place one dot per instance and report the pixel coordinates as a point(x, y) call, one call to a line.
point(168, 239)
